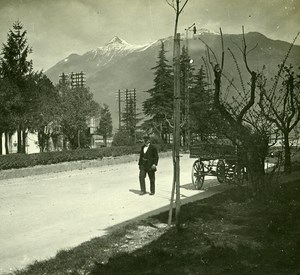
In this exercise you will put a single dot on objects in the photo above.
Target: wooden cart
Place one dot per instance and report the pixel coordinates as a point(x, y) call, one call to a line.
point(218, 158)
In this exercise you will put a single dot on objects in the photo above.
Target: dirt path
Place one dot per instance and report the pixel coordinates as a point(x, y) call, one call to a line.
point(41, 215)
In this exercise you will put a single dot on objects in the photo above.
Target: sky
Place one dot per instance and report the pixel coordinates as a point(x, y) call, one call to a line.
point(57, 28)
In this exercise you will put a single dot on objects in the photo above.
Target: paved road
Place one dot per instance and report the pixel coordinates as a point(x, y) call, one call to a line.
point(41, 215)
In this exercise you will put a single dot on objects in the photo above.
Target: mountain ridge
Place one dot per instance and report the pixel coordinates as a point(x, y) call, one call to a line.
point(121, 65)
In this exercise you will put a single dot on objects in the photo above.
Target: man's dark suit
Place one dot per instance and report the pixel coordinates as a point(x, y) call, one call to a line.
point(146, 161)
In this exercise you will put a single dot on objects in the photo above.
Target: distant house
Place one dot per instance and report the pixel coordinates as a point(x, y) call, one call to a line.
point(31, 144)
point(97, 141)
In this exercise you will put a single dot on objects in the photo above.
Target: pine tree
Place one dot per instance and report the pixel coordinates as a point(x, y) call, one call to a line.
point(186, 82)
point(14, 63)
point(15, 67)
point(202, 111)
point(159, 106)
point(8, 101)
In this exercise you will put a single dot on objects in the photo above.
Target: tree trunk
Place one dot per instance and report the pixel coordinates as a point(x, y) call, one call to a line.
point(177, 125)
point(6, 143)
point(287, 154)
point(64, 143)
point(105, 140)
point(24, 137)
point(41, 141)
point(255, 170)
point(1, 142)
point(19, 145)
point(55, 141)
point(47, 143)
point(78, 139)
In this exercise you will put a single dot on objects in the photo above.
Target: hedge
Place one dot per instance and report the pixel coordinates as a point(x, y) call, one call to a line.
point(13, 161)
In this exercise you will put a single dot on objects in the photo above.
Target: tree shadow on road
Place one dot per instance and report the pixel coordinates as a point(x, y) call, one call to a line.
point(137, 192)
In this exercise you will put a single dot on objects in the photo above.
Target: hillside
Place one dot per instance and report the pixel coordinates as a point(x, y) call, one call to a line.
point(119, 65)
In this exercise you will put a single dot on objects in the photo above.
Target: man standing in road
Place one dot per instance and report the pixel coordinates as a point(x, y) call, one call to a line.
point(147, 163)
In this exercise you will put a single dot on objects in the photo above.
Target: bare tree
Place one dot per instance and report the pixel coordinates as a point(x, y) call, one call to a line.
point(282, 107)
point(252, 144)
point(178, 8)
point(175, 4)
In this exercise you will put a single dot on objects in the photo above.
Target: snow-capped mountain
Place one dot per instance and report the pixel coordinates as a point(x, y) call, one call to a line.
point(202, 31)
point(98, 58)
point(120, 65)
point(115, 48)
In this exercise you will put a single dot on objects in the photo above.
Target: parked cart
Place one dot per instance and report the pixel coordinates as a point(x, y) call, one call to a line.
point(218, 157)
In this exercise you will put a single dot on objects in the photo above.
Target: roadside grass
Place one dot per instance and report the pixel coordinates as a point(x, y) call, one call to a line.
point(225, 234)
point(229, 233)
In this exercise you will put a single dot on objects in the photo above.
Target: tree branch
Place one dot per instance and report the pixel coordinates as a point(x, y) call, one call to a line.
point(183, 6)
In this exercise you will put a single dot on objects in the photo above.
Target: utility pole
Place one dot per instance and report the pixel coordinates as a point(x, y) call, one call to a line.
point(176, 132)
point(77, 79)
point(135, 114)
point(128, 97)
point(119, 104)
point(126, 108)
point(186, 88)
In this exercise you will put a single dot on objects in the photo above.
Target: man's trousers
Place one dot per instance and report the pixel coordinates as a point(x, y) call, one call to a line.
point(142, 176)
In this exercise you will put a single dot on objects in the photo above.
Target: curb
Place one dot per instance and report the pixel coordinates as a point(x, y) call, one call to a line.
point(70, 166)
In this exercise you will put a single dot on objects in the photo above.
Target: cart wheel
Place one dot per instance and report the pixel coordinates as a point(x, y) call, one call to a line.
point(221, 171)
point(198, 174)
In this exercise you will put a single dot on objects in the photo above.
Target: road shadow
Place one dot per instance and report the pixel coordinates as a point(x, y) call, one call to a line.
point(137, 192)
point(188, 186)
point(207, 184)
point(202, 195)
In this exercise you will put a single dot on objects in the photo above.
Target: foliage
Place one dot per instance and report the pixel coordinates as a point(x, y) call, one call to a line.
point(105, 124)
point(44, 114)
point(9, 105)
point(77, 107)
point(15, 68)
point(159, 106)
point(14, 63)
point(186, 82)
point(123, 138)
point(205, 119)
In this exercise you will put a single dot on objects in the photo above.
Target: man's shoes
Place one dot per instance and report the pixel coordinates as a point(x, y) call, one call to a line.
point(151, 194)
point(142, 193)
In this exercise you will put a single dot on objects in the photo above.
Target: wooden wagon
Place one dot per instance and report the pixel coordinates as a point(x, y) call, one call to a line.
point(217, 157)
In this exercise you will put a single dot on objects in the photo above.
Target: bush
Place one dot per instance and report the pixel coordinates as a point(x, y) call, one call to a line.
point(22, 160)
point(122, 138)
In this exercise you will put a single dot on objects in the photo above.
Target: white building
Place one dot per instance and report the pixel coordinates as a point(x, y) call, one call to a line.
point(31, 144)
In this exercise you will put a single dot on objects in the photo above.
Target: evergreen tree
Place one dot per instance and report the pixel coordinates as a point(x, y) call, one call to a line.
point(186, 82)
point(15, 67)
point(159, 106)
point(105, 124)
point(205, 119)
point(14, 63)
point(8, 100)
